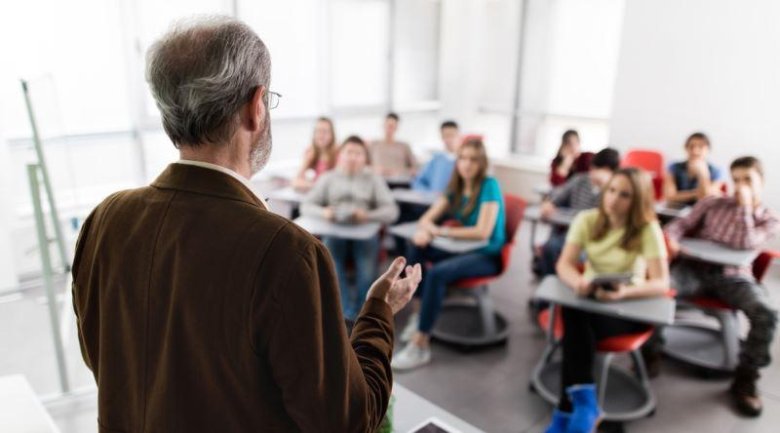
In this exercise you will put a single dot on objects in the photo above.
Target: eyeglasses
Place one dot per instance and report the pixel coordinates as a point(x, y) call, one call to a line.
point(272, 99)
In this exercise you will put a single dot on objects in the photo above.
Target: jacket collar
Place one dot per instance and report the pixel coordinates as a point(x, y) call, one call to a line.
point(201, 179)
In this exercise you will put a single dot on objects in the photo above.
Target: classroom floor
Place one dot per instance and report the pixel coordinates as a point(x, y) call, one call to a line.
point(488, 389)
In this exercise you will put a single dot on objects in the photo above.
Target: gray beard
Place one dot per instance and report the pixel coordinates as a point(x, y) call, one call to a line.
point(261, 151)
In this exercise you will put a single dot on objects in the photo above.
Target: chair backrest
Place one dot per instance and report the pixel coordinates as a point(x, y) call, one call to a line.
point(762, 262)
point(650, 161)
point(514, 209)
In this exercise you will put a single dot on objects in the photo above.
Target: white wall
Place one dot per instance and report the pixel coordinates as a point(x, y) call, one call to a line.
point(709, 65)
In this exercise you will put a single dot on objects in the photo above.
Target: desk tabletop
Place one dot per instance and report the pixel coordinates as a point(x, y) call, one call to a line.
point(543, 189)
point(399, 179)
point(20, 409)
point(671, 211)
point(423, 198)
point(561, 217)
point(321, 227)
point(457, 246)
point(714, 252)
point(657, 311)
point(287, 194)
point(410, 410)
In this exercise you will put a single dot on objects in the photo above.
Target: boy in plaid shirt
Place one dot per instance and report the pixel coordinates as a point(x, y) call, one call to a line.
point(740, 222)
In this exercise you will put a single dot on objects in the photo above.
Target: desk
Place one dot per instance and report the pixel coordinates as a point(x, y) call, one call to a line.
point(656, 311)
point(714, 252)
point(321, 227)
point(399, 181)
point(563, 217)
point(410, 410)
point(543, 190)
point(20, 409)
point(287, 195)
point(447, 244)
point(422, 198)
point(671, 212)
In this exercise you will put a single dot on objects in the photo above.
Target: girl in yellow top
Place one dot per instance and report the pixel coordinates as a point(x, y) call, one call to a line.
point(622, 235)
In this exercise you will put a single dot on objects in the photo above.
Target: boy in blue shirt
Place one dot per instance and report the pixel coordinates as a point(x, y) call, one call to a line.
point(436, 174)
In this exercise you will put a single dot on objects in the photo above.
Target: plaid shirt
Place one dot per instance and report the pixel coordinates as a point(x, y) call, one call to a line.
point(722, 220)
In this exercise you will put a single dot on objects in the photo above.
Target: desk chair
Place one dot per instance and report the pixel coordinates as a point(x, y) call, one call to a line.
point(711, 348)
point(623, 395)
point(650, 161)
point(476, 323)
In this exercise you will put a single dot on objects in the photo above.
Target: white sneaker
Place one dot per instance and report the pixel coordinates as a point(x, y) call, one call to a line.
point(411, 357)
point(410, 328)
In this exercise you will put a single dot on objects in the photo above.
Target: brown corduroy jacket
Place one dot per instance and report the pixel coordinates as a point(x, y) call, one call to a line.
point(201, 311)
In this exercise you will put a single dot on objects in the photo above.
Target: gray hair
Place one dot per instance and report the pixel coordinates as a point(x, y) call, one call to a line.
point(201, 73)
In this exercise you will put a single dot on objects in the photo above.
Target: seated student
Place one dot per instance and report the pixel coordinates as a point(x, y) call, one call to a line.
point(391, 157)
point(741, 222)
point(622, 235)
point(474, 199)
point(582, 191)
point(569, 160)
point(694, 178)
point(436, 174)
point(352, 194)
point(319, 157)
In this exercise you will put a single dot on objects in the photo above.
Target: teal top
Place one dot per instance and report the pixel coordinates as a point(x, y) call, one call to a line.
point(489, 192)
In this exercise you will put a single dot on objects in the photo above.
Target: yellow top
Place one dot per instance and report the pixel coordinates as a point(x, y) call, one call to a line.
point(607, 256)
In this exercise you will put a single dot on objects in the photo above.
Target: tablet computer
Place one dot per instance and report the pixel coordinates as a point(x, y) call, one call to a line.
point(608, 281)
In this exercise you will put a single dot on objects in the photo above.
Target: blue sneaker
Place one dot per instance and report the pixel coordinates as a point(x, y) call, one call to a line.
point(559, 423)
point(587, 414)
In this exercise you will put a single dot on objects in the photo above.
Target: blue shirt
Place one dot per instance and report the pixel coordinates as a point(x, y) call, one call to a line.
point(436, 174)
point(489, 192)
point(683, 182)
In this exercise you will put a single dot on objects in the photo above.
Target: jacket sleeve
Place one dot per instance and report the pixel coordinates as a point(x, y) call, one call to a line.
point(75, 292)
point(328, 383)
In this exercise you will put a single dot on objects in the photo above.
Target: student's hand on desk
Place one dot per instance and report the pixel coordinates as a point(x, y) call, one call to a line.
point(396, 291)
point(422, 238)
point(329, 214)
point(583, 287)
point(620, 292)
point(547, 209)
point(360, 216)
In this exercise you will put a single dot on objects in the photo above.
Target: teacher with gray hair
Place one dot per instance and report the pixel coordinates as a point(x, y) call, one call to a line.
point(198, 309)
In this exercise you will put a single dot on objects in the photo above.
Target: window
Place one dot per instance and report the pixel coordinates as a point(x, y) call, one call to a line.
point(416, 56)
point(360, 47)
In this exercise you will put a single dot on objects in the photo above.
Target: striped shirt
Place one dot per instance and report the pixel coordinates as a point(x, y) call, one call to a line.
point(723, 220)
point(577, 193)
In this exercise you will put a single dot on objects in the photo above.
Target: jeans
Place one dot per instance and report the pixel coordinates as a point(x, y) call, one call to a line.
point(447, 268)
point(581, 333)
point(551, 250)
point(364, 256)
point(741, 292)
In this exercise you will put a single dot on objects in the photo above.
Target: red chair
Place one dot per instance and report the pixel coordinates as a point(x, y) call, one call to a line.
point(550, 319)
point(714, 348)
point(650, 161)
point(476, 323)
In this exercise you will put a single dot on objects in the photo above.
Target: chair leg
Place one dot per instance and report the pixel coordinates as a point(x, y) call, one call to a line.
point(487, 311)
point(602, 388)
point(640, 367)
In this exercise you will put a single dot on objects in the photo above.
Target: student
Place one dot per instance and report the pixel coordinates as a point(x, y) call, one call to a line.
point(474, 199)
point(436, 174)
point(622, 235)
point(391, 157)
point(352, 194)
point(569, 160)
point(580, 192)
point(740, 222)
point(694, 178)
point(319, 157)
